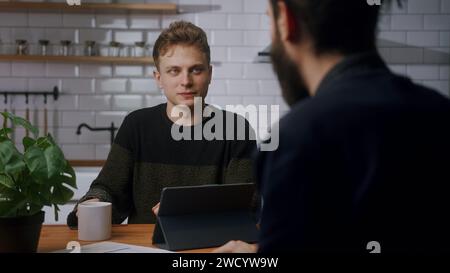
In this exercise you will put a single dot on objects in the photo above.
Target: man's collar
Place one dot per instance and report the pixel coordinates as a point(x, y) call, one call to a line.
point(351, 65)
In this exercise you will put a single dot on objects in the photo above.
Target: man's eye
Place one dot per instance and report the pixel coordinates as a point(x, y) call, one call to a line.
point(173, 72)
point(197, 70)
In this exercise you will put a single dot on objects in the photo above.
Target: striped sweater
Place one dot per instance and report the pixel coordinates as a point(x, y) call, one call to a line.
point(144, 159)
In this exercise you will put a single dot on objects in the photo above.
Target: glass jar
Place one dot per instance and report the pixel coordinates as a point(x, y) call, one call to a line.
point(21, 47)
point(89, 48)
point(66, 47)
point(115, 49)
point(139, 49)
point(43, 47)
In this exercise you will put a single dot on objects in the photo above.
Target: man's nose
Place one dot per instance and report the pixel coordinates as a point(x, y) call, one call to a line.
point(186, 79)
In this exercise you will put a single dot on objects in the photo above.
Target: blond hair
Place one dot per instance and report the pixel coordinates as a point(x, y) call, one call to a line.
point(184, 33)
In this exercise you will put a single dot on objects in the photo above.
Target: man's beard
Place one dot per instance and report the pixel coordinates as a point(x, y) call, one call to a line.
point(293, 87)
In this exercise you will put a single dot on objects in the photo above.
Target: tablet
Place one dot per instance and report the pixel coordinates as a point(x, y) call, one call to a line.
point(205, 216)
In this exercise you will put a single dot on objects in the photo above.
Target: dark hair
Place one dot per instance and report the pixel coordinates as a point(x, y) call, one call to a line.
point(343, 26)
point(184, 33)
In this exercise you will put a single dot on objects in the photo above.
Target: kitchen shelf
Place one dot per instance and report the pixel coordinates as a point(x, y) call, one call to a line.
point(79, 59)
point(91, 7)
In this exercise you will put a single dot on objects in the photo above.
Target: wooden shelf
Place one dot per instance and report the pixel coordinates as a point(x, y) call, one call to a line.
point(91, 7)
point(78, 59)
point(86, 163)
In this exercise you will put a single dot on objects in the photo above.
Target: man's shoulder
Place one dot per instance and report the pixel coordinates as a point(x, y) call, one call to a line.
point(145, 114)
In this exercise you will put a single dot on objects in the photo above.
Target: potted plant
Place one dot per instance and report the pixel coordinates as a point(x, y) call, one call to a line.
point(29, 180)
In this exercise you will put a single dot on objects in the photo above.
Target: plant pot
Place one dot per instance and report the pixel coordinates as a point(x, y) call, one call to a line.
point(21, 234)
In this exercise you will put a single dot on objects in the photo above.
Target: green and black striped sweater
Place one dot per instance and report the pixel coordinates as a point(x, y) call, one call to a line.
point(144, 159)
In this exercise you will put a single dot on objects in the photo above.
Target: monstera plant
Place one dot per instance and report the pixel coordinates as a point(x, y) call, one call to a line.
point(29, 180)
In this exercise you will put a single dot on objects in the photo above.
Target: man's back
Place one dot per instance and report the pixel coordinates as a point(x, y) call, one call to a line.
point(366, 159)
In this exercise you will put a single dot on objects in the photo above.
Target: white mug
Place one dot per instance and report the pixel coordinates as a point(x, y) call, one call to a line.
point(94, 221)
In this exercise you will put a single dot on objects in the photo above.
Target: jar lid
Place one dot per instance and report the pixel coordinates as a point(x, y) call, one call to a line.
point(66, 42)
point(90, 43)
point(43, 42)
point(115, 44)
point(21, 42)
point(140, 44)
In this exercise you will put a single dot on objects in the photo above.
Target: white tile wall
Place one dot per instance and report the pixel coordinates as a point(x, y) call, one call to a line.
point(420, 6)
point(85, 86)
point(227, 37)
point(24, 69)
point(78, 20)
point(437, 22)
point(92, 70)
point(105, 118)
point(99, 35)
point(110, 85)
point(44, 20)
point(5, 69)
point(74, 118)
point(127, 102)
point(228, 6)
point(129, 70)
point(414, 40)
point(423, 38)
point(242, 87)
point(111, 21)
point(145, 21)
point(13, 19)
point(407, 22)
point(61, 70)
point(97, 102)
point(143, 86)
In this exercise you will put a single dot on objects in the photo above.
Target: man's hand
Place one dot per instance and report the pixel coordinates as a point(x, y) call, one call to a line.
point(237, 247)
point(155, 209)
point(89, 200)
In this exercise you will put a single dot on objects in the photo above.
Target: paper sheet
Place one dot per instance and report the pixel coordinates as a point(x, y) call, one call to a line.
point(113, 247)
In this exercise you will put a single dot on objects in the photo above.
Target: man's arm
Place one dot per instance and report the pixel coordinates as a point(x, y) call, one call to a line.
point(290, 181)
point(114, 182)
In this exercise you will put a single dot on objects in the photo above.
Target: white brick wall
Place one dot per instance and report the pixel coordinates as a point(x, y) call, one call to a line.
point(414, 40)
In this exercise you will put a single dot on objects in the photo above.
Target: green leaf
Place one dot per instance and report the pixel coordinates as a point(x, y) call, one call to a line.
point(55, 160)
point(15, 165)
point(61, 195)
point(18, 121)
point(5, 131)
point(45, 194)
point(34, 208)
point(71, 181)
point(7, 150)
point(36, 163)
point(11, 208)
point(6, 181)
point(50, 139)
point(44, 143)
point(28, 142)
point(11, 160)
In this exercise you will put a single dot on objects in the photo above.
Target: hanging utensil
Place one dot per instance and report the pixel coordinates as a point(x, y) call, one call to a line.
point(45, 115)
point(27, 114)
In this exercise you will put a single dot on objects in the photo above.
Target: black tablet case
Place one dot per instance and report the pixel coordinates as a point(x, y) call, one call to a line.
point(205, 216)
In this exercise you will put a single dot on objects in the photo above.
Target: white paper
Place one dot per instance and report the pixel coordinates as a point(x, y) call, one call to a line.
point(113, 247)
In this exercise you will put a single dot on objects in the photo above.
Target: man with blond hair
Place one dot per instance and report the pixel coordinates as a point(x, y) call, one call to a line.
point(145, 157)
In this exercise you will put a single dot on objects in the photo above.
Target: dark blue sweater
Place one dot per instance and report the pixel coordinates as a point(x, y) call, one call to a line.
point(366, 159)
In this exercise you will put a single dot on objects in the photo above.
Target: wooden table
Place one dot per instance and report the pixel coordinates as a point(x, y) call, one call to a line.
point(56, 237)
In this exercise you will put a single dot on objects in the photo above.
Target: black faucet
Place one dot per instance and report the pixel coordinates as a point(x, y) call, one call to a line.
point(111, 129)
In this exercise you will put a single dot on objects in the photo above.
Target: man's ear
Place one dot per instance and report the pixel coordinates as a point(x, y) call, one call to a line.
point(210, 74)
point(286, 22)
point(157, 77)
